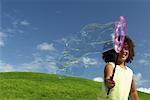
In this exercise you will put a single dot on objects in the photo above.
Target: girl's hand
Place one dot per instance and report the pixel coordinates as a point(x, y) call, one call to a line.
point(109, 83)
point(108, 71)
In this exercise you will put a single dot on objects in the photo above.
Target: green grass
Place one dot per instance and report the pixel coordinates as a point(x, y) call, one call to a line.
point(40, 86)
point(144, 96)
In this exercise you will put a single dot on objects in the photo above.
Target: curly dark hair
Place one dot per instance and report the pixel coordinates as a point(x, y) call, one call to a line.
point(110, 56)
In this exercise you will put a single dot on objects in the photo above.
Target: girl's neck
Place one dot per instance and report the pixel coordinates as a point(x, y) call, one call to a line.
point(122, 65)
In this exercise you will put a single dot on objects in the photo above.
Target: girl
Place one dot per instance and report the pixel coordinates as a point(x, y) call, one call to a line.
point(122, 85)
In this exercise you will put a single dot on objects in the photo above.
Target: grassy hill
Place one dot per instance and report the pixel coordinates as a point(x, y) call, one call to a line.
point(40, 86)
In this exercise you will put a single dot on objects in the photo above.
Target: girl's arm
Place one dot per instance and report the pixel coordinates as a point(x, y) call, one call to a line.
point(133, 91)
point(107, 76)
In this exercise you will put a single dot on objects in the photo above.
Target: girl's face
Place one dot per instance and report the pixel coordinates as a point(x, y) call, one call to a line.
point(124, 53)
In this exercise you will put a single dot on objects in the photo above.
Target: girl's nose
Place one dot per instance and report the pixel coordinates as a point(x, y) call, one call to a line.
point(124, 50)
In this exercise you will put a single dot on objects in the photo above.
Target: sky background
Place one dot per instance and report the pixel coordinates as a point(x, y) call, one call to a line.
point(48, 36)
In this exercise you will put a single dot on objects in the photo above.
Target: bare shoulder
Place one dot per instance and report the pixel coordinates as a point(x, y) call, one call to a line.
point(109, 67)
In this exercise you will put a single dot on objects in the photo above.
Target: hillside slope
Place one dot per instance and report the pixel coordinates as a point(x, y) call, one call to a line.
point(40, 86)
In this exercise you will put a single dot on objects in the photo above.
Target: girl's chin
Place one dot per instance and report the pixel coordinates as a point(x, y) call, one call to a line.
point(122, 59)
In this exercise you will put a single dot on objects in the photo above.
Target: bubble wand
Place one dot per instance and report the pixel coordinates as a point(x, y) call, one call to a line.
point(118, 43)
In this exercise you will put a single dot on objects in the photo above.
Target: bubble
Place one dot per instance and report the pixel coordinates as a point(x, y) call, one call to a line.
point(93, 39)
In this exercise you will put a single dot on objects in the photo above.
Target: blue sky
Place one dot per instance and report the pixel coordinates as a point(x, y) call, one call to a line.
point(34, 35)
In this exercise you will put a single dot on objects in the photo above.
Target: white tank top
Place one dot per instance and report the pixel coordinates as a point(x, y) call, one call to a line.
point(123, 80)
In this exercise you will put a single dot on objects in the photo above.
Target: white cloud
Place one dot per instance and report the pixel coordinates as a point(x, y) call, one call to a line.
point(89, 61)
point(4, 67)
point(138, 76)
point(144, 61)
point(98, 79)
point(144, 58)
point(9, 30)
point(138, 79)
point(58, 12)
point(35, 66)
point(146, 55)
point(39, 63)
point(18, 22)
point(46, 47)
point(146, 90)
point(24, 23)
point(2, 39)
